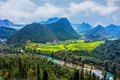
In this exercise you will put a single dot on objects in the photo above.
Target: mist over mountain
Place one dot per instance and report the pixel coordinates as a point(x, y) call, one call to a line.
point(50, 20)
point(83, 27)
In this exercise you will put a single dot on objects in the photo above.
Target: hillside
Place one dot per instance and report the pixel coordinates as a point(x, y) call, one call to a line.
point(109, 49)
point(63, 30)
point(6, 32)
point(109, 53)
point(113, 30)
point(34, 33)
point(60, 30)
point(97, 33)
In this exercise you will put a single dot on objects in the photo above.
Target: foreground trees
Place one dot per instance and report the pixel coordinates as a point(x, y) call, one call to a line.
point(28, 67)
point(33, 67)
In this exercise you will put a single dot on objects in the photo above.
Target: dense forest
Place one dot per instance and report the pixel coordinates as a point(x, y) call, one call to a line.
point(32, 67)
point(110, 54)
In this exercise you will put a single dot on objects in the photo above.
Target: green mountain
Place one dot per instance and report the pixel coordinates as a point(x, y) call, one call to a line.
point(63, 30)
point(60, 30)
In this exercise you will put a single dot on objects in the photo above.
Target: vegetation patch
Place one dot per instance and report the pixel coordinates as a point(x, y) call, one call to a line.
point(65, 45)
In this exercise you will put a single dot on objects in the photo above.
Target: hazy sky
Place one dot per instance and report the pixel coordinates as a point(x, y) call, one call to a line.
point(77, 11)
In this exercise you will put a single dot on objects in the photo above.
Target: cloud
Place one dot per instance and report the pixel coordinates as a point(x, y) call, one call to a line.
point(93, 7)
point(26, 10)
point(1, 2)
point(48, 10)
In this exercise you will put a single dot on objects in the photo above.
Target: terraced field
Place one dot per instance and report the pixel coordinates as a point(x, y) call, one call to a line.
point(65, 45)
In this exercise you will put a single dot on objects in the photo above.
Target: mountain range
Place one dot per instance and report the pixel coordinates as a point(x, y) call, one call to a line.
point(103, 33)
point(7, 28)
point(59, 29)
point(36, 32)
point(6, 22)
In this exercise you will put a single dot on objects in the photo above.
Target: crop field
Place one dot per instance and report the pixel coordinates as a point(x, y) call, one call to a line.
point(65, 45)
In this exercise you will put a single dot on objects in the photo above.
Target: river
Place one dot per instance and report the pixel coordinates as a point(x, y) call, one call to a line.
point(62, 63)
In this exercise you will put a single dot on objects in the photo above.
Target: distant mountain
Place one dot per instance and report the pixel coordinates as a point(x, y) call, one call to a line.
point(97, 33)
point(60, 30)
point(82, 27)
point(6, 22)
point(50, 20)
point(102, 33)
point(6, 32)
point(113, 31)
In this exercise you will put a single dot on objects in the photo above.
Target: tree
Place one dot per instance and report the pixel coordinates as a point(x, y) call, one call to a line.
point(20, 68)
point(77, 75)
point(38, 72)
point(105, 76)
point(90, 75)
point(94, 77)
point(45, 75)
point(82, 74)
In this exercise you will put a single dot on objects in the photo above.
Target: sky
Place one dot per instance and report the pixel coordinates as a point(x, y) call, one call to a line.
point(94, 12)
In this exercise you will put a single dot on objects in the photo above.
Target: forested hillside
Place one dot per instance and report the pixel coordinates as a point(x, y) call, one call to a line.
point(32, 67)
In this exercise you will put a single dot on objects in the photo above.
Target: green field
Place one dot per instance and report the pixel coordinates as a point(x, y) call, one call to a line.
point(65, 45)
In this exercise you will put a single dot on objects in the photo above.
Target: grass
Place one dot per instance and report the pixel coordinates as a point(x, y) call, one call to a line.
point(51, 48)
point(65, 45)
point(81, 45)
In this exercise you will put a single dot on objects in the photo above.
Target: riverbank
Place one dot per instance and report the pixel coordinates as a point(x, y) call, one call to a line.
point(74, 66)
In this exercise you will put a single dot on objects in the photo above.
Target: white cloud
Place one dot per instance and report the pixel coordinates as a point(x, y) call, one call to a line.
point(115, 18)
point(25, 10)
point(48, 10)
point(93, 7)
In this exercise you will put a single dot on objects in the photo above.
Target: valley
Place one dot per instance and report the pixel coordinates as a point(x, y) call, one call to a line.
point(59, 40)
point(65, 46)
point(92, 53)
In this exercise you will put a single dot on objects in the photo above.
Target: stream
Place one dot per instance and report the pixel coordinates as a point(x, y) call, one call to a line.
point(62, 63)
